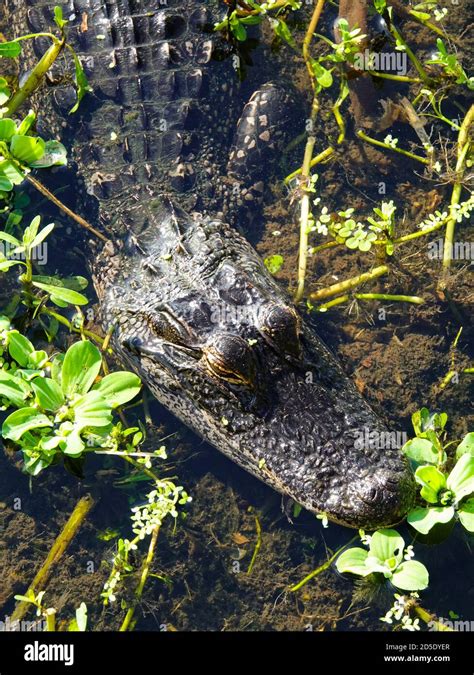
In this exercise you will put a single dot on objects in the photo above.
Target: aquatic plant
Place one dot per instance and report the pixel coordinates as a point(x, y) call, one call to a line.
point(61, 410)
point(21, 151)
point(146, 520)
point(77, 624)
point(13, 48)
point(387, 558)
point(251, 13)
point(445, 496)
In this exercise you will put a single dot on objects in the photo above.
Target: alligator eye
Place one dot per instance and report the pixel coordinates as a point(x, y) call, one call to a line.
point(281, 325)
point(231, 359)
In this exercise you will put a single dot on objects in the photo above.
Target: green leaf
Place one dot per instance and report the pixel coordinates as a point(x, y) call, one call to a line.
point(55, 154)
point(74, 444)
point(6, 264)
point(420, 450)
point(48, 393)
point(62, 294)
point(10, 239)
point(11, 172)
point(23, 420)
point(34, 464)
point(41, 236)
point(91, 410)
point(441, 47)
point(237, 29)
point(26, 123)
point(432, 481)
point(5, 91)
point(27, 149)
point(56, 367)
point(461, 478)
point(118, 388)
point(281, 29)
point(423, 16)
point(466, 515)
point(466, 445)
point(31, 231)
point(386, 544)
point(81, 366)
point(14, 389)
point(5, 184)
point(75, 283)
point(58, 17)
point(424, 421)
point(7, 129)
point(273, 263)
point(411, 575)
point(82, 85)
point(19, 347)
point(423, 520)
point(323, 75)
point(10, 49)
point(353, 562)
point(80, 622)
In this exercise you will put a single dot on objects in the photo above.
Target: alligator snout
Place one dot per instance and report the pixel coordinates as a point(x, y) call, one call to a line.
point(381, 498)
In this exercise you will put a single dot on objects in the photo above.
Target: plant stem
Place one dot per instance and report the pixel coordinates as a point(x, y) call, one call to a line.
point(419, 68)
point(258, 527)
point(323, 247)
point(397, 78)
point(65, 322)
point(50, 615)
point(304, 214)
point(381, 144)
point(320, 569)
point(414, 299)
point(308, 153)
point(463, 151)
point(370, 296)
point(348, 284)
point(420, 233)
point(36, 76)
point(127, 622)
point(325, 154)
point(333, 303)
point(44, 191)
point(430, 618)
point(69, 531)
point(279, 4)
point(427, 24)
point(309, 36)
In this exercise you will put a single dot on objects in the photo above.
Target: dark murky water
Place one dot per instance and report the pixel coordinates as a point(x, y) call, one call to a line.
point(397, 359)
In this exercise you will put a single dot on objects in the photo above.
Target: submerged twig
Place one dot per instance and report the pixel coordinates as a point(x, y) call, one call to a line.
point(44, 191)
point(348, 284)
point(70, 529)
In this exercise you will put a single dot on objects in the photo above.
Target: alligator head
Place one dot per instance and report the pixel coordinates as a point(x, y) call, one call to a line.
point(200, 319)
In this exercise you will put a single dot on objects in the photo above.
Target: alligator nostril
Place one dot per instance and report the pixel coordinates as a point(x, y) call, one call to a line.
point(372, 495)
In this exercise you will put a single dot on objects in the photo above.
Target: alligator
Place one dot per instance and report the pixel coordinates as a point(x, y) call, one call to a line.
point(196, 313)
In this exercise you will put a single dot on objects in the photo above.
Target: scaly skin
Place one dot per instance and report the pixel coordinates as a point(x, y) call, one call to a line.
point(197, 315)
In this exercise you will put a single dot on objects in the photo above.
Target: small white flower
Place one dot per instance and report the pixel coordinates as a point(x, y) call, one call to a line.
point(409, 553)
point(389, 140)
point(439, 14)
